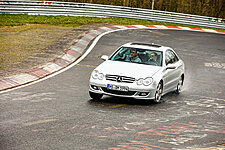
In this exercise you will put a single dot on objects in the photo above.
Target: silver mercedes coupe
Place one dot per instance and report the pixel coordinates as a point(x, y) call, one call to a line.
point(140, 71)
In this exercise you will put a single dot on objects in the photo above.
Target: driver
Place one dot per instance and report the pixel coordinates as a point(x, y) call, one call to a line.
point(133, 57)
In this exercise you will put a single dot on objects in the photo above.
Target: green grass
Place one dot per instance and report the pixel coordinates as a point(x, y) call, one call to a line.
point(21, 42)
point(18, 20)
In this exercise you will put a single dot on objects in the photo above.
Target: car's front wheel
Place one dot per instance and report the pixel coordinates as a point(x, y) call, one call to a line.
point(95, 96)
point(158, 93)
point(179, 85)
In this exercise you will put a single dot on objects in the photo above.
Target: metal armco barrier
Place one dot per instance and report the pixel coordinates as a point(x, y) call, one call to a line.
point(95, 10)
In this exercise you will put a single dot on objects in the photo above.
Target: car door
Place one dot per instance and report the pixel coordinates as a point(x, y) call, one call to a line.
point(172, 71)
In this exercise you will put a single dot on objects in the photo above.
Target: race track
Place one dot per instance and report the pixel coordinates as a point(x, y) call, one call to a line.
point(58, 113)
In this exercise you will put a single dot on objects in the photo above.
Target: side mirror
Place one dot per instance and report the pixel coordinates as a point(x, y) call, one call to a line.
point(105, 57)
point(170, 66)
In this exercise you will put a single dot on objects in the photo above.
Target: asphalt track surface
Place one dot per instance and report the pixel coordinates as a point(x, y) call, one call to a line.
point(58, 113)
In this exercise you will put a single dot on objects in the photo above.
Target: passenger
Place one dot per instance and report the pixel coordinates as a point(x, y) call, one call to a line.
point(153, 59)
point(133, 56)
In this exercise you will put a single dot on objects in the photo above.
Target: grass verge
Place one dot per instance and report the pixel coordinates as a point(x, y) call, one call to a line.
point(18, 20)
point(21, 42)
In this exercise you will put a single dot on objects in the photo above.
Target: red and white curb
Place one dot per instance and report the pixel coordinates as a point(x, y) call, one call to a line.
point(76, 50)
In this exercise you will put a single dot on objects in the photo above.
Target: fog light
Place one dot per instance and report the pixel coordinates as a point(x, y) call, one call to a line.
point(143, 93)
point(94, 87)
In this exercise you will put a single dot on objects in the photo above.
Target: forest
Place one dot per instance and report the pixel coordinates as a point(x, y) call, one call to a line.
point(213, 8)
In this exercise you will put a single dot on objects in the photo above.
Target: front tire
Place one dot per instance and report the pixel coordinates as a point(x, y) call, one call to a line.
point(95, 96)
point(179, 85)
point(158, 93)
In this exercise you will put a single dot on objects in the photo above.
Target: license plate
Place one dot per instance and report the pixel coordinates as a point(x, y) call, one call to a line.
point(117, 87)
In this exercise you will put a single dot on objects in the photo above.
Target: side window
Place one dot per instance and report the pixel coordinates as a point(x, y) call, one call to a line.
point(170, 57)
point(167, 58)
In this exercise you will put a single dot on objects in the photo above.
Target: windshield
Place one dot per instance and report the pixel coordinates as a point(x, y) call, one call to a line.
point(136, 55)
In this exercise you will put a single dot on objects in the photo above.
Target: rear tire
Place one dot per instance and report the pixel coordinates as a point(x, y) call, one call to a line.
point(95, 96)
point(158, 93)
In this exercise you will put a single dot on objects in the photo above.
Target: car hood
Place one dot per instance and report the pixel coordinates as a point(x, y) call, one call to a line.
point(127, 69)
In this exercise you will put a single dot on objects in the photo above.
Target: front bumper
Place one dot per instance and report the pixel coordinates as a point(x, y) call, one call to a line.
point(138, 92)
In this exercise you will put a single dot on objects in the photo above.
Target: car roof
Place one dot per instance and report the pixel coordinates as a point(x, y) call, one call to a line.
point(151, 46)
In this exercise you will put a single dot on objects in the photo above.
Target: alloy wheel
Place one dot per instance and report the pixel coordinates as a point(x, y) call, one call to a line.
point(158, 93)
point(179, 86)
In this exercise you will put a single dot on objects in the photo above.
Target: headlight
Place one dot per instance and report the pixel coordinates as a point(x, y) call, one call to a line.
point(147, 81)
point(97, 75)
point(100, 76)
point(140, 81)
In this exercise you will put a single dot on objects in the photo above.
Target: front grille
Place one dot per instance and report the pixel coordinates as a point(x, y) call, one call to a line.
point(118, 78)
point(129, 93)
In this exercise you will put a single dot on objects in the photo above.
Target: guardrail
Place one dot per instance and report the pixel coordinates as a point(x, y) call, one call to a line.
point(96, 10)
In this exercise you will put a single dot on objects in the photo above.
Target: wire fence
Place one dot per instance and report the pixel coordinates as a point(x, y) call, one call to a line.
point(97, 10)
